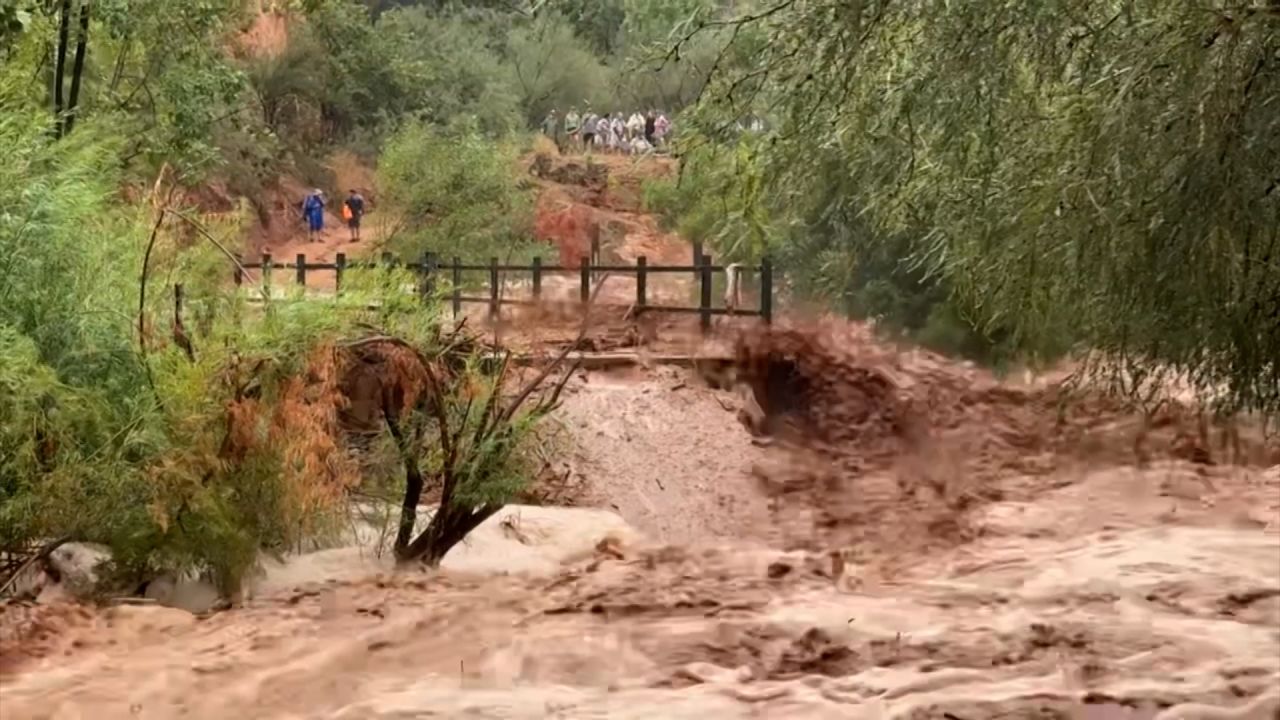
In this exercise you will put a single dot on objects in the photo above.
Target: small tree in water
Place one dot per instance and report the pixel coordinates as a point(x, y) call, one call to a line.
point(462, 424)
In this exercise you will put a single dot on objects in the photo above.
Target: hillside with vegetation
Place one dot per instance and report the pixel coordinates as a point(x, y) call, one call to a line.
point(149, 141)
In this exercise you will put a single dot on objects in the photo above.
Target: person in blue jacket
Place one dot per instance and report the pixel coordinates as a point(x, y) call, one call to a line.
point(313, 213)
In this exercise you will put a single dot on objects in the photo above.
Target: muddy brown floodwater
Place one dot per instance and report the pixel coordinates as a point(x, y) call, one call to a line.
point(904, 538)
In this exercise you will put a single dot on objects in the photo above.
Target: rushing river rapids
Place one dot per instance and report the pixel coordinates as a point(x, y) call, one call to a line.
point(930, 543)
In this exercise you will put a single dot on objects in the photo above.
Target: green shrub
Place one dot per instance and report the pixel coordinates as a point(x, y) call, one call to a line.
point(453, 192)
point(115, 437)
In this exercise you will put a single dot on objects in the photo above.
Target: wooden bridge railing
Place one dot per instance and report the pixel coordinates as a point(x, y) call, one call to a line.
point(429, 270)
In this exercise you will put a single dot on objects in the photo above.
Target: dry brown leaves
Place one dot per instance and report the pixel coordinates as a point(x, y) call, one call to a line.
point(305, 427)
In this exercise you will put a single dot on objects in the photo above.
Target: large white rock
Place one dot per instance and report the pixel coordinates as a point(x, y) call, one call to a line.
point(519, 539)
point(189, 593)
point(536, 540)
point(30, 582)
point(79, 567)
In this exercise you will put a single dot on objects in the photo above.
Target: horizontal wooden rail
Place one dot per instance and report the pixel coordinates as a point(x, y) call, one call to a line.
point(697, 310)
point(668, 268)
point(507, 268)
point(429, 270)
point(417, 267)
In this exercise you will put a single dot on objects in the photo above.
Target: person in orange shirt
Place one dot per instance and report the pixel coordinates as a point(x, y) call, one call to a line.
point(353, 213)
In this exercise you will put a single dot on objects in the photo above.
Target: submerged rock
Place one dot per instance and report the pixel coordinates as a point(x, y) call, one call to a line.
point(79, 567)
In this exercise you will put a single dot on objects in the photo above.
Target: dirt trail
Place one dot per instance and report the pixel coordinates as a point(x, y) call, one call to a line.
point(599, 198)
point(579, 199)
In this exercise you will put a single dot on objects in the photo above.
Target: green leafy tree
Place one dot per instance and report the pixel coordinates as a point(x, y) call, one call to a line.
point(598, 22)
point(464, 426)
point(15, 16)
point(361, 92)
point(449, 69)
point(666, 58)
point(158, 70)
point(289, 84)
point(163, 72)
point(1102, 171)
point(553, 69)
point(109, 431)
point(652, 22)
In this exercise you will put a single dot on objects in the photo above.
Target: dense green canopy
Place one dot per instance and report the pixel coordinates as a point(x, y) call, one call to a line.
point(1103, 172)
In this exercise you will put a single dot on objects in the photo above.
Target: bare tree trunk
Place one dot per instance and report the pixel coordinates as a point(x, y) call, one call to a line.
point(60, 67)
point(454, 520)
point(448, 527)
point(121, 58)
point(77, 71)
point(413, 483)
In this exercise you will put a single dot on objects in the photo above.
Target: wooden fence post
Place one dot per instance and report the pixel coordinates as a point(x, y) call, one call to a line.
point(642, 283)
point(494, 286)
point(342, 266)
point(697, 261)
point(595, 248)
point(766, 290)
point(237, 273)
point(704, 295)
point(457, 287)
point(300, 269)
point(424, 272)
point(426, 283)
point(266, 272)
point(537, 278)
point(584, 289)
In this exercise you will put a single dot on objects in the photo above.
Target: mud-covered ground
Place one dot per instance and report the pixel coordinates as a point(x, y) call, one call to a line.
point(665, 452)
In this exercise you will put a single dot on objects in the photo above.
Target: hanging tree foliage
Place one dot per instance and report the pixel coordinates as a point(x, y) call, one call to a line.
point(1104, 170)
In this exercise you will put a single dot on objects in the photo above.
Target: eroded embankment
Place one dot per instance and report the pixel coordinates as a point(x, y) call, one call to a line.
point(894, 453)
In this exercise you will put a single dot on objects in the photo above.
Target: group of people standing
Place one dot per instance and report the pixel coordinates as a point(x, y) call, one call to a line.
point(611, 132)
point(313, 213)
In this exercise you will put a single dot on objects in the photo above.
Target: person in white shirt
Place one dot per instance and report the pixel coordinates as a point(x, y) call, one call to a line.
point(619, 132)
point(635, 126)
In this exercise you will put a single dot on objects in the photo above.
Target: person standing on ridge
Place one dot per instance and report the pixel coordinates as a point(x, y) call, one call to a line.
point(353, 211)
point(619, 126)
point(649, 127)
point(313, 213)
point(550, 123)
point(604, 129)
point(571, 126)
point(635, 125)
point(589, 127)
point(661, 126)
